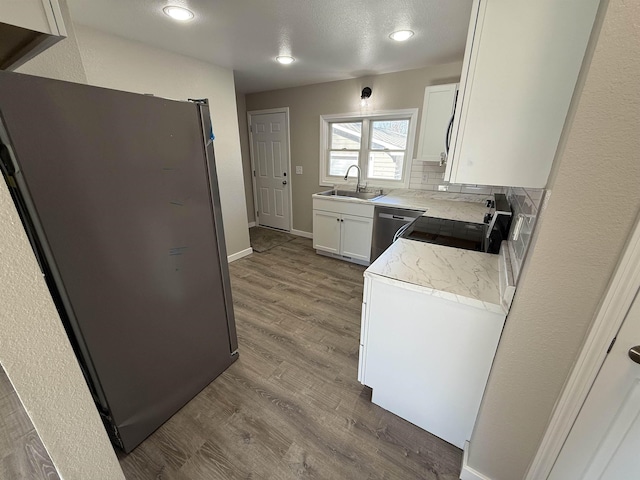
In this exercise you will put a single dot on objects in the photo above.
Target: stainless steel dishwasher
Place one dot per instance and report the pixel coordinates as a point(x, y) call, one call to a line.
point(386, 222)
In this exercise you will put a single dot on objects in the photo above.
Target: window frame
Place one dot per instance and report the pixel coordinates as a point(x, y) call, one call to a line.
point(327, 180)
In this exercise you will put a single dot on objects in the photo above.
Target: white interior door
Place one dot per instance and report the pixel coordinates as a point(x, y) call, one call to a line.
point(270, 152)
point(604, 442)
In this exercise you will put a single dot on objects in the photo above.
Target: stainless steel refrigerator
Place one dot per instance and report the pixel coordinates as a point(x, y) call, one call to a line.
point(119, 197)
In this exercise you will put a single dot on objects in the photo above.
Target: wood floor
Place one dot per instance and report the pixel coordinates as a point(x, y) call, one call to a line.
point(22, 455)
point(291, 406)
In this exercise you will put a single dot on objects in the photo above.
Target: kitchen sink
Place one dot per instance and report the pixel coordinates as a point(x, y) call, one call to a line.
point(352, 194)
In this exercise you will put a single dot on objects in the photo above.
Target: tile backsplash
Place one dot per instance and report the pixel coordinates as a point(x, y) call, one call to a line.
point(428, 176)
point(525, 203)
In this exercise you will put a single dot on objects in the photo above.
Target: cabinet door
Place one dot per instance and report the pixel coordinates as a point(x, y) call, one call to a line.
point(428, 359)
point(356, 237)
point(436, 114)
point(326, 231)
point(521, 65)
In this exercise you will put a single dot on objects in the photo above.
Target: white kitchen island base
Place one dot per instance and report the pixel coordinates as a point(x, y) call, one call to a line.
point(427, 353)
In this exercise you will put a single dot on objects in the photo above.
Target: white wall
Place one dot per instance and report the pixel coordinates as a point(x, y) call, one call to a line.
point(122, 64)
point(34, 349)
point(241, 101)
point(391, 91)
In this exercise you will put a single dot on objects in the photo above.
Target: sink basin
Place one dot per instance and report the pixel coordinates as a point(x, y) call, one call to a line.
point(351, 193)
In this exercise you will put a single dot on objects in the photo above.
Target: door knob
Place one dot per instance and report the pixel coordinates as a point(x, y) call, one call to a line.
point(284, 182)
point(634, 353)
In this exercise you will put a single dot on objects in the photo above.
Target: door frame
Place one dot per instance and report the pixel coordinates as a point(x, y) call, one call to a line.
point(623, 287)
point(284, 110)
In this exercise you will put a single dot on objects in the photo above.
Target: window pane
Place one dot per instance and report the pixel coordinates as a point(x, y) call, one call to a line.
point(346, 135)
point(389, 134)
point(386, 165)
point(340, 161)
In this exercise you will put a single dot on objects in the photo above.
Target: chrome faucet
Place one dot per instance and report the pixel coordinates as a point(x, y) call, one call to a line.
point(359, 173)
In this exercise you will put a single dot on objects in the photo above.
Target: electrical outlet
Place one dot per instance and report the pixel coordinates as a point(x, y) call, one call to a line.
point(298, 170)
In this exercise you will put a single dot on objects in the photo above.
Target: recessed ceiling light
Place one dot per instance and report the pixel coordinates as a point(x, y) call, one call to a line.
point(178, 13)
point(401, 35)
point(285, 59)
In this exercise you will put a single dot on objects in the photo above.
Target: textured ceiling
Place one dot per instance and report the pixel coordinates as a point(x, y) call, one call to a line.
point(330, 39)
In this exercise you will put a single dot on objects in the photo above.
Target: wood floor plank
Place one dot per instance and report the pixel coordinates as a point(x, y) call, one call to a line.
point(291, 406)
point(22, 454)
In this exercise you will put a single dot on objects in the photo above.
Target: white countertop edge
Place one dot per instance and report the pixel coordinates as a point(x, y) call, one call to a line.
point(376, 203)
point(337, 198)
point(450, 206)
point(470, 302)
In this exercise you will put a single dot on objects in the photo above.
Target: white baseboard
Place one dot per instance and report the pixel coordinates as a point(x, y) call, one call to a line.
point(301, 233)
point(467, 472)
point(240, 254)
point(252, 224)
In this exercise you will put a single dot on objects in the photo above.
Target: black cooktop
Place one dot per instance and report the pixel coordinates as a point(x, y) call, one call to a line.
point(450, 233)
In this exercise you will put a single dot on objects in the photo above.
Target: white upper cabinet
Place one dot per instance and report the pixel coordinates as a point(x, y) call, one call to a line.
point(520, 68)
point(28, 27)
point(437, 112)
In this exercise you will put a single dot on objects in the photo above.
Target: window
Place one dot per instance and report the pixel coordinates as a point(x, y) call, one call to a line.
point(380, 144)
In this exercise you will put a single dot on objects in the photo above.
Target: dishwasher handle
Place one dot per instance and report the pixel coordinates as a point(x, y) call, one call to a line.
point(396, 217)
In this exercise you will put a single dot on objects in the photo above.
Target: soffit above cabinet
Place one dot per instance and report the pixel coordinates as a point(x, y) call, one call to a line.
point(28, 27)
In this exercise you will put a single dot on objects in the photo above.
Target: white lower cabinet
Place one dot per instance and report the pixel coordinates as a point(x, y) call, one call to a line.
point(341, 233)
point(326, 231)
point(426, 359)
point(355, 237)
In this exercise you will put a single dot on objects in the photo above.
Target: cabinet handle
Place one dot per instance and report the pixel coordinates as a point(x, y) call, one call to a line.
point(447, 140)
point(337, 219)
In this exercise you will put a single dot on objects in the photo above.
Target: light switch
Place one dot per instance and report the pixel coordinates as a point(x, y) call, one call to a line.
point(298, 170)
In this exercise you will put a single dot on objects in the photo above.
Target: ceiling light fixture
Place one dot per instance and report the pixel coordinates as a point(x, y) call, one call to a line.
point(401, 35)
point(178, 13)
point(285, 59)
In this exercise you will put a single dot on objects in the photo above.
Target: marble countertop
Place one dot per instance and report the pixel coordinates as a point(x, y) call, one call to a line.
point(450, 206)
point(464, 276)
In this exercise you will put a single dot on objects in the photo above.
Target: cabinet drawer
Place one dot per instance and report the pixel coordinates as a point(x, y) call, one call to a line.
point(349, 208)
